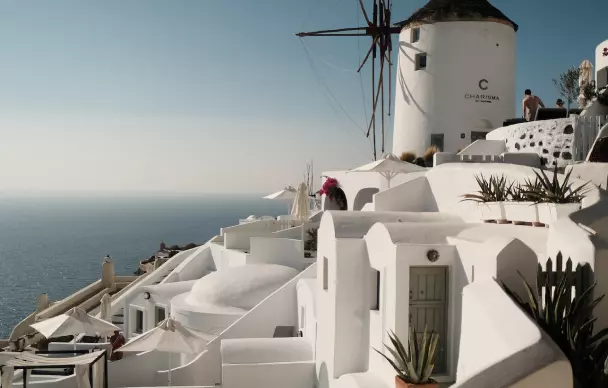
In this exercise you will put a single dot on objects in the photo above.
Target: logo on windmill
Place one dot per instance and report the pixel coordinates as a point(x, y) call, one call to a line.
point(480, 97)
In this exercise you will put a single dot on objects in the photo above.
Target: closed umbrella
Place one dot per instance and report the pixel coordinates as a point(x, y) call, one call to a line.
point(389, 167)
point(585, 78)
point(300, 203)
point(169, 336)
point(105, 309)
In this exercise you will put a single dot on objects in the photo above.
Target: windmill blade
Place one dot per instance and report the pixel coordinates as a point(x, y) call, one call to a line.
point(333, 32)
point(390, 82)
point(368, 54)
point(364, 12)
point(376, 98)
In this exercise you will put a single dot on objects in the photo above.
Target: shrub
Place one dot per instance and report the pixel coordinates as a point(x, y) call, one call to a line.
point(419, 162)
point(414, 364)
point(408, 157)
point(428, 155)
point(189, 246)
point(174, 248)
point(311, 243)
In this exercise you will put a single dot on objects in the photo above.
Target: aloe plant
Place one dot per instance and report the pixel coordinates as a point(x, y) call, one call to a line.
point(569, 321)
point(413, 364)
point(545, 190)
point(493, 189)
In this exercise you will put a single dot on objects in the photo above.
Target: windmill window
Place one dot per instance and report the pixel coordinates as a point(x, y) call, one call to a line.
point(415, 35)
point(421, 61)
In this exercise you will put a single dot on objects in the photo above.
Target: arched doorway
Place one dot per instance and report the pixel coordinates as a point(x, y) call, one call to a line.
point(337, 201)
point(364, 196)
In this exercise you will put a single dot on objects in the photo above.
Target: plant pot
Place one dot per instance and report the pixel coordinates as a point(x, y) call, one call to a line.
point(492, 211)
point(522, 212)
point(549, 212)
point(402, 384)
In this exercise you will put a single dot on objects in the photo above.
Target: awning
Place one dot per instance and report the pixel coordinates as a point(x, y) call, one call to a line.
point(32, 359)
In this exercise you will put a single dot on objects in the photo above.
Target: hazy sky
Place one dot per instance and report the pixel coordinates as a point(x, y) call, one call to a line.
point(213, 96)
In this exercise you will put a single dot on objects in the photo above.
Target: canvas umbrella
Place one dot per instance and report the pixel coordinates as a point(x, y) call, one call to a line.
point(287, 195)
point(75, 321)
point(105, 309)
point(169, 336)
point(585, 78)
point(389, 167)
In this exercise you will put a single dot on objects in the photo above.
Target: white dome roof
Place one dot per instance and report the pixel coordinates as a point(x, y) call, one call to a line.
point(240, 287)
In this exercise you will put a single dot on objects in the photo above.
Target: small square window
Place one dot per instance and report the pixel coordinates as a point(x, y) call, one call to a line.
point(415, 37)
point(421, 61)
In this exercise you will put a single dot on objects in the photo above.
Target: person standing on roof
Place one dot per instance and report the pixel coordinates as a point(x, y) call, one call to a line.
point(530, 105)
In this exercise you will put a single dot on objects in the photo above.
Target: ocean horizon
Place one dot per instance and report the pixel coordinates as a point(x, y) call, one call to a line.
point(56, 243)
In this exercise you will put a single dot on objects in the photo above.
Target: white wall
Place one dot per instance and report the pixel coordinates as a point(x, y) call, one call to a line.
point(275, 375)
point(195, 266)
point(437, 100)
point(501, 345)
point(415, 196)
point(552, 140)
point(283, 251)
point(484, 147)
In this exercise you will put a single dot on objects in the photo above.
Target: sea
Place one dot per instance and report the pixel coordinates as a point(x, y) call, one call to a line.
point(56, 245)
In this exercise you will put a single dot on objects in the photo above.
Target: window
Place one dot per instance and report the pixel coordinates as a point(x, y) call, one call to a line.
point(325, 274)
point(160, 314)
point(421, 61)
point(139, 321)
point(437, 140)
point(376, 290)
point(476, 135)
point(415, 35)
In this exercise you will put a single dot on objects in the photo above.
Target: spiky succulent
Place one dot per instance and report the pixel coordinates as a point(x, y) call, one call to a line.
point(494, 189)
point(414, 364)
point(546, 190)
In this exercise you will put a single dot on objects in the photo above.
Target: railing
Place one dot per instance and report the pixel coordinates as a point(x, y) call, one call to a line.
point(578, 280)
point(586, 130)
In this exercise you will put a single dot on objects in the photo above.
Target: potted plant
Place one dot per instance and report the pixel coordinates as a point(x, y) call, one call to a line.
point(414, 364)
point(554, 198)
point(490, 198)
point(522, 206)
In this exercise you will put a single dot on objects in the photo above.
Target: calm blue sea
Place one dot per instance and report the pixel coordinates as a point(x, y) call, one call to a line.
point(57, 245)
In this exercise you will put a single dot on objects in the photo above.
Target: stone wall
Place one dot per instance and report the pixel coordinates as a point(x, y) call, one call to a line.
point(550, 139)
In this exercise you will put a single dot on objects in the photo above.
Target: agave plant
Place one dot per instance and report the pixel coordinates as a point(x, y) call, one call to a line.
point(413, 364)
point(569, 321)
point(518, 192)
point(494, 189)
point(553, 191)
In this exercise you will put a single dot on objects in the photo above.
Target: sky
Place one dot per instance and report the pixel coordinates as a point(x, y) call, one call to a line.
point(201, 96)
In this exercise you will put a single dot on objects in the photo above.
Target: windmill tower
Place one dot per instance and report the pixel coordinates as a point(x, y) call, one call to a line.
point(379, 28)
point(455, 77)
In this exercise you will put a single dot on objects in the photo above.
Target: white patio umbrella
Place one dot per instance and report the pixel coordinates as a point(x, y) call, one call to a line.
point(73, 322)
point(169, 336)
point(287, 195)
point(389, 167)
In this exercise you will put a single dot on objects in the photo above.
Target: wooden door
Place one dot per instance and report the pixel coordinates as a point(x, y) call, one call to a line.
point(429, 307)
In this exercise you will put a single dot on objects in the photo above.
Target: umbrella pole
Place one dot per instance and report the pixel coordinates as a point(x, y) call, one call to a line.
point(170, 368)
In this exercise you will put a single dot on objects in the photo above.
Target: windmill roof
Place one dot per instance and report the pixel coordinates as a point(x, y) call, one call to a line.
point(451, 10)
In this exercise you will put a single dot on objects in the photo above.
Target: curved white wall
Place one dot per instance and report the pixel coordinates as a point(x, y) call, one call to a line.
point(443, 97)
point(601, 65)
